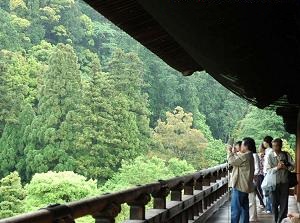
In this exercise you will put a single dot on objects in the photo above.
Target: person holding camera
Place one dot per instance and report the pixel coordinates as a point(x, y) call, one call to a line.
point(280, 162)
point(241, 181)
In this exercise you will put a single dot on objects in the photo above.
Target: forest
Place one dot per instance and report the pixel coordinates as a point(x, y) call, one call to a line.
point(85, 109)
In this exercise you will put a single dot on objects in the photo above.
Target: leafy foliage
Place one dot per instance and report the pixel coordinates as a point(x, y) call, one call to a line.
point(12, 143)
point(144, 170)
point(79, 94)
point(259, 123)
point(178, 137)
point(12, 195)
point(53, 130)
point(57, 187)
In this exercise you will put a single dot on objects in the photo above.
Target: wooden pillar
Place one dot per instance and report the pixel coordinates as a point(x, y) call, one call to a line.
point(207, 180)
point(160, 198)
point(189, 187)
point(108, 215)
point(298, 157)
point(176, 194)
point(137, 207)
point(214, 177)
point(199, 183)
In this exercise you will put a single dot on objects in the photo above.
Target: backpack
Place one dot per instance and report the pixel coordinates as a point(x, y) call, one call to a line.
point(292, 176)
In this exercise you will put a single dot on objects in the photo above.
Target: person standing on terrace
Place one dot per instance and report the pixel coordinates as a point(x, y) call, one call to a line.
point(241, 180)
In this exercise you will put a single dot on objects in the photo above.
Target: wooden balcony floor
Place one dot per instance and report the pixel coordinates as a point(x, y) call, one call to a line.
point(221, 216)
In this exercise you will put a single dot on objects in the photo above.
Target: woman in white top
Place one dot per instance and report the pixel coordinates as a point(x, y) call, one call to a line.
point(267, 143)
point(252, 196)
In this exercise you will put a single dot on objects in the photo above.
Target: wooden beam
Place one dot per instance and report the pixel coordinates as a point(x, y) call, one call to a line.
point(298, 157)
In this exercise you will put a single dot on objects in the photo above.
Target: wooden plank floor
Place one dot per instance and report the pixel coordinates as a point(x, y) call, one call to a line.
point(221, 216)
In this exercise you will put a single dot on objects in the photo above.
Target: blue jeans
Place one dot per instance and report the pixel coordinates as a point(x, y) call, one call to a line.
point(239, 207)
point(269, 203)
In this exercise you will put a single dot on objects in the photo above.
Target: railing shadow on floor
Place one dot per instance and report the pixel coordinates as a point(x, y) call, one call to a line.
point(194, 197)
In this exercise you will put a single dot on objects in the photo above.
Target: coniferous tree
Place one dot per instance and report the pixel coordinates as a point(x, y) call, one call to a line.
point(95, 154)
point(18, 84)
point(126, 70)
point(53, 131)
point(12, 143)
point(9, 38)
point(116, 125)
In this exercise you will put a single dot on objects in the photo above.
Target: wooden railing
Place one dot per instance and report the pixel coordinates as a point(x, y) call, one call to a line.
point(192, 197)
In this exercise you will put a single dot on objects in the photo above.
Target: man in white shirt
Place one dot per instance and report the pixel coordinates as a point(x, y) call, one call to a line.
point(280, 163)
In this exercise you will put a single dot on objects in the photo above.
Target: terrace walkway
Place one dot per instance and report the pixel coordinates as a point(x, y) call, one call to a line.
point(194, 198)
point(221, 216)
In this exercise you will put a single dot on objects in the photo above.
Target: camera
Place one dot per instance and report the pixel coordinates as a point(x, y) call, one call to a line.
point(285, 162)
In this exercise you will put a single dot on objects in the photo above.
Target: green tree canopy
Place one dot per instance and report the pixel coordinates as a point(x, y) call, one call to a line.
point(259, 123)
point(57, 187)
point(144, 170)
point(12, 143)
point(10, 38)
point(12, 196)
point(52, 133)
point(178, 137)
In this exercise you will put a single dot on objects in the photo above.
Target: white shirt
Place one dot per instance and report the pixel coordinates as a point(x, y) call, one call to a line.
point(267, 152)
point(256, 163)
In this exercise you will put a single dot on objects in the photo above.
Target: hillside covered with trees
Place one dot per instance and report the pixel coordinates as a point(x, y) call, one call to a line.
point(84, 107)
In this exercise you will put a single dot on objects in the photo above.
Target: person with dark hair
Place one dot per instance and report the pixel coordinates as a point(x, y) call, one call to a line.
point(241, 180)
point(267, 143)
point(237, 146)
point(252, 195)
point(260, 176)
point(280, 162)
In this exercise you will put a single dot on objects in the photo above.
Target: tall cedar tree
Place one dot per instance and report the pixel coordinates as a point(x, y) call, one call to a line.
point(12, 143)
point(97, 156)
point(52, 134)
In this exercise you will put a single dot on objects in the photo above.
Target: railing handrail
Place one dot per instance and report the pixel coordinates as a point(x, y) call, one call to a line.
point(94, 205)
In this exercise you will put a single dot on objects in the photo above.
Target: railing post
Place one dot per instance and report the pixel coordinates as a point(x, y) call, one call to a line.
point(220, 192)
point(200, 206)
point(199, 186)
point(196, 209)
point(137, 207)
point(220, 174)
point(214, 177)
point(184, 217)
point(209, 200)
point(176, 194)
point(207, 180)
point(205, 203)
point(199, 183)
point(189, 190)
point(109, 214)
point(215, 196)
point(159, 201)
point(191, 213)
point(189, 187)
point(223, 189)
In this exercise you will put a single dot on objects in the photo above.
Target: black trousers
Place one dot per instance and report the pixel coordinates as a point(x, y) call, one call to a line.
point(259, 191)
point(280, 197)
